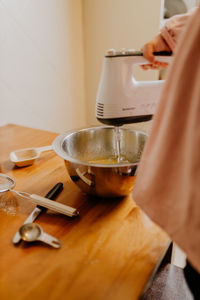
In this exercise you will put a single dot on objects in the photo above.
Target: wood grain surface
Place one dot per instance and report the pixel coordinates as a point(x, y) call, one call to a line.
point(109, 252)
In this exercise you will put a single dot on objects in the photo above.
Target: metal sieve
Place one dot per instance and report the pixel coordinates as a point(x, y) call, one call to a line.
point(7, 184)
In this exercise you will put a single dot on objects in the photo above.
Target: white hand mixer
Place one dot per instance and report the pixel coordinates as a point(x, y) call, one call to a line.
point(120, 98)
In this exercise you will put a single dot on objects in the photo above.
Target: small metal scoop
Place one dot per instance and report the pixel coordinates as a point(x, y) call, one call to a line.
point(31, 232)
point(27, 156)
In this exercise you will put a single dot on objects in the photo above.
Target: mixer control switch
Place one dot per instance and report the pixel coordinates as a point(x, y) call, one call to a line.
point(111, 52)
point(123, 51)
point(131, 51)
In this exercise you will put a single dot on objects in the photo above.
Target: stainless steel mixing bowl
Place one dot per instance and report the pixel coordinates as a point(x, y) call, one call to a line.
point(79, 148)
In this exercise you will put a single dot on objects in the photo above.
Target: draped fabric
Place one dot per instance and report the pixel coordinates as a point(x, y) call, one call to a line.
point(167, 187)
point(173, 28)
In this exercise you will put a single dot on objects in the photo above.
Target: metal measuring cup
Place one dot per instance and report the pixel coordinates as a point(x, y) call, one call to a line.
point(31, 232)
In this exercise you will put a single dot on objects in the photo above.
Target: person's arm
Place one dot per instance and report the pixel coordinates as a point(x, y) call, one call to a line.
point(173, 28)
point(166, 40)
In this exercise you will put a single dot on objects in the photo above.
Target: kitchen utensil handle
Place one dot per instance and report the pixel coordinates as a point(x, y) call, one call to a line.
point(52, 194)
point(84, 178)
point(55, 206)
point(138, 58)
point(50, 240)
point(162, 53)
point(46, 148)
point(161, 58)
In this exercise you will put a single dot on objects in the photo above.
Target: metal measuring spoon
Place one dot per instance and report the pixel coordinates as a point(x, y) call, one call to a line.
point(31, 232)
point(52, 194)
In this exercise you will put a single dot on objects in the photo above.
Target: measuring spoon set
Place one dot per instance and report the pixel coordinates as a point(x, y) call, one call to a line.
point(29, 231)
point(33, 232)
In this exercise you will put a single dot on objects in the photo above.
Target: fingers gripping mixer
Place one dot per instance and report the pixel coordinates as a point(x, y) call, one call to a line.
point(120, 98)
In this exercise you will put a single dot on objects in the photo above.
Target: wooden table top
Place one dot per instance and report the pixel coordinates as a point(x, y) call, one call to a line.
point(109, 252)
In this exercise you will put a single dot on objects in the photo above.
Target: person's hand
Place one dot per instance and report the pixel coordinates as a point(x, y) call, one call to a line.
point(156, 45)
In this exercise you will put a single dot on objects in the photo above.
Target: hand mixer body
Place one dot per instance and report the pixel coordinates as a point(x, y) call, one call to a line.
point(120, 98)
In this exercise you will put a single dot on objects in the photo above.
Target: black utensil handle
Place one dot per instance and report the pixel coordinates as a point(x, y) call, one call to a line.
point(163, 53)
point(52, 194)
point(54, 191)
point(137, 53)
point(160, 53)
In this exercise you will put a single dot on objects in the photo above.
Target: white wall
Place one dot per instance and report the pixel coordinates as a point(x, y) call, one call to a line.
point(115, 24)
point(41, 64)
point(51, 54)
point(191, 3)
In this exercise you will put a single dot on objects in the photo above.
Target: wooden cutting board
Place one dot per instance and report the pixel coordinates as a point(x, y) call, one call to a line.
point(109, 252)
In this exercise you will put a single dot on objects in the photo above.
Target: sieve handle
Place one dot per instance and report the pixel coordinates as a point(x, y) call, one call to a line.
point(55, 206)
